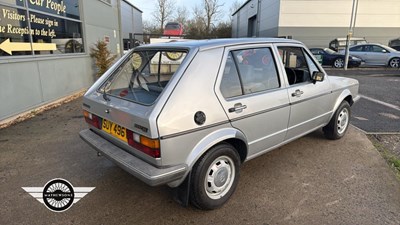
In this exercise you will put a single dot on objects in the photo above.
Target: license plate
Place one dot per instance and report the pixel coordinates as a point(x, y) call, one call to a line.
point(114, 129)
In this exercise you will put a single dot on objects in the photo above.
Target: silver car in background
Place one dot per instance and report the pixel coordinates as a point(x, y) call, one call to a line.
point(188, 114)
point(376, 55)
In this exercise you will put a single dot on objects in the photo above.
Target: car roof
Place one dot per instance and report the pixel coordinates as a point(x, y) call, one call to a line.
point(352, 39)
point(381, 45)
point(216, 43)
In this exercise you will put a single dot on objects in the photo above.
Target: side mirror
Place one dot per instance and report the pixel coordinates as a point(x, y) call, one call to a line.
point(318, 76)
point(384, 51)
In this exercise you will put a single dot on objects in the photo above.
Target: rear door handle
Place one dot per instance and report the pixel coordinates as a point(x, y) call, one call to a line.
point(297, 93)
point(238, 107)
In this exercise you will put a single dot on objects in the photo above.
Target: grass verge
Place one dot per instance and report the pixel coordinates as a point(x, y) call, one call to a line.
point(386, 148)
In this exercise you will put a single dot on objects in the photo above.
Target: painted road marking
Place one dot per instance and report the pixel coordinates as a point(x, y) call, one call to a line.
point(395, 107)
point(360, 118)
point(389, 115)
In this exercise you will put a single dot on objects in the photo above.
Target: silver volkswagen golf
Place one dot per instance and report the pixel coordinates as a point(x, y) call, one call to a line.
point(188, 114)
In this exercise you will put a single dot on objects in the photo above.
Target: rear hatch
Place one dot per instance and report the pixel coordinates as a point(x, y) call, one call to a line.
point(121, 107)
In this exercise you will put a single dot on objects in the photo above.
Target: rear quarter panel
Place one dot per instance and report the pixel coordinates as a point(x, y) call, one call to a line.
point(194, 92)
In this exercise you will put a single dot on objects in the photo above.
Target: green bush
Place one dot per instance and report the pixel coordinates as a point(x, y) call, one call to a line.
point(102, 56)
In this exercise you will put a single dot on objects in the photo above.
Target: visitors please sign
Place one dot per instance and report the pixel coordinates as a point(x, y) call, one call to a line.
point(43, 28)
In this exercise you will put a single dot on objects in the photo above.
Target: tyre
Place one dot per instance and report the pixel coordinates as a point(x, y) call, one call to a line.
point(215, 177)
point(338, 63)
point(339, 123)
point(394, 63)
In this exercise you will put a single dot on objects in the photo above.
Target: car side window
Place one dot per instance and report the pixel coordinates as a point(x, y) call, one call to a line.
point(295, 63)
point(311, 65)
point(230, 84)
point(315, 51)
point(257, 69)
point(248, 71)
point(357, 49)
point(378, 49)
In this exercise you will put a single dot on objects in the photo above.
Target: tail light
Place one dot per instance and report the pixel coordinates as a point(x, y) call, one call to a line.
point(144, 144)
point(92, 119)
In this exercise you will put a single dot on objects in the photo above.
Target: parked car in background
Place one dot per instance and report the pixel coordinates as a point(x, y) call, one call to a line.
point(397, 48)
point(395, 44)
point(173, 29)
point(340, 43)
point(223, 102)
point(328, 57)
point(376, 55)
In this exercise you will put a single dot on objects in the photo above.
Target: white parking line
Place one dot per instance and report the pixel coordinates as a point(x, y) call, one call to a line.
point(395, 107)
point(360, 118)
point(389, 115)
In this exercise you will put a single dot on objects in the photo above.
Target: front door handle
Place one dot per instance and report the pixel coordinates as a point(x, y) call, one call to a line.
point(297, 93)
point(238, 107)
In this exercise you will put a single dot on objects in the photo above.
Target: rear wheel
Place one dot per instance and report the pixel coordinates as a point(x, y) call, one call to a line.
point(394, 63)
point(215, 177)
point(339, 123)
point(338, 63)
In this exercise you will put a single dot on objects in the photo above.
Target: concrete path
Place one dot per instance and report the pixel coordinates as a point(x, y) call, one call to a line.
point(309, 181)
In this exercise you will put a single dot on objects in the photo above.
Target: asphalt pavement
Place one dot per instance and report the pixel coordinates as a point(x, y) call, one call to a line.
point(309, 181)
point(378, 111)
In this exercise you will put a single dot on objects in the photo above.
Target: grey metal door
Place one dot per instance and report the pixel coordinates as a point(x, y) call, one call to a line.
point(377, 55)
point(310, 102)
point(253, 97)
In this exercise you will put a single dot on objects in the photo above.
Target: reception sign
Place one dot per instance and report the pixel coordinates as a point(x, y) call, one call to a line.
point(40, 27)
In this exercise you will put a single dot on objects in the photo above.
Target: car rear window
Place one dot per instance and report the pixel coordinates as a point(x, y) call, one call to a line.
point(144, 75)
point(173, 26)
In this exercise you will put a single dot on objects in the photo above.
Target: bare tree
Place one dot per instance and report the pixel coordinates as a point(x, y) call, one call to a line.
point(235, 6)
point(149, 27)
point(196, 25)
point(163, 11)
point(182, 15)
point(212, 9)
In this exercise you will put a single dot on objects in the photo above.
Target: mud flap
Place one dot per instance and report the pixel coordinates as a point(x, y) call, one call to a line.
point(181, 193)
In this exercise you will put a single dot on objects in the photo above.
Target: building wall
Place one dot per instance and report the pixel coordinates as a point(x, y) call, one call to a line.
point(317, 22)
point(131, 20)
point(29, 81)
point(235, 28)
point(269, 18)
point(243, 16)
point(26, 85)
point(267, 15)
point(102, 20)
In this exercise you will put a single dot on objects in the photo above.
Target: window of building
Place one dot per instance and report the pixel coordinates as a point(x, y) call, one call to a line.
point(40, 28)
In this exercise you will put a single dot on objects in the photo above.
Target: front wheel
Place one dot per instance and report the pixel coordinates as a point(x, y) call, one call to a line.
point(339, 123)
point(215, 177)
point(394, 63)
point(338, 63)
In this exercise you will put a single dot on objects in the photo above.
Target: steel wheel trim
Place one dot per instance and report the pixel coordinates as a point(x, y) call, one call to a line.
point(339, 63)
point(394, 63)
point(343, 120)
point(219, 177)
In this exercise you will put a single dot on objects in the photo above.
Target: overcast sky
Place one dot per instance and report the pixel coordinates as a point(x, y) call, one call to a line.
point(147, 6)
